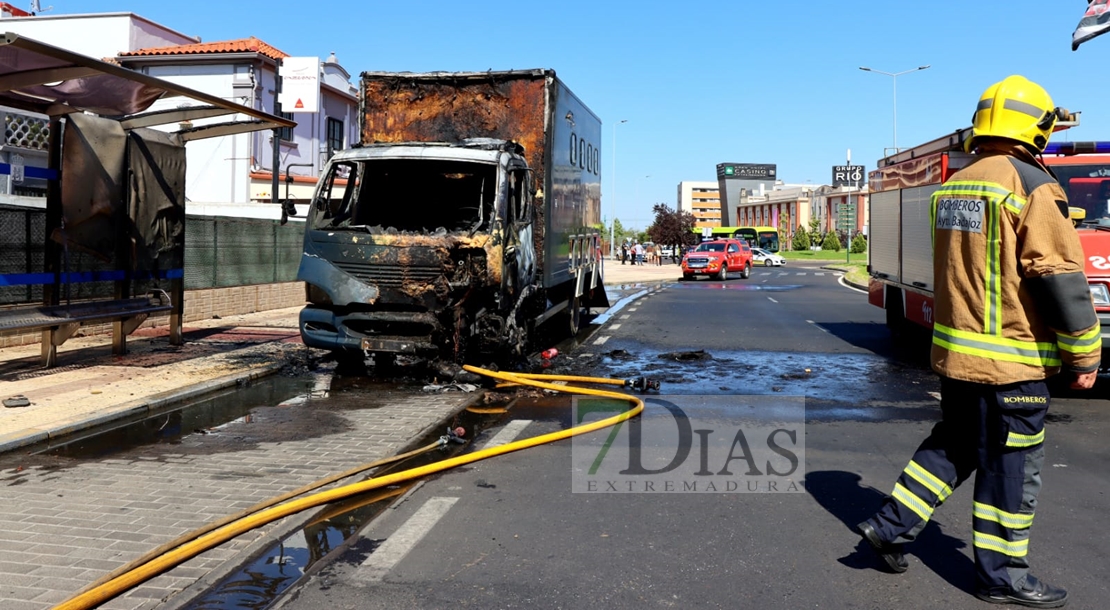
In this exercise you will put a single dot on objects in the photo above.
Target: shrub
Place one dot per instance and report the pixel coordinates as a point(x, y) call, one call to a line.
point(859, 244)
point(832, 242)
point(801, 240)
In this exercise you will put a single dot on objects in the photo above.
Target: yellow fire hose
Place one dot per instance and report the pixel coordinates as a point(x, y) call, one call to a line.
point(214, 536)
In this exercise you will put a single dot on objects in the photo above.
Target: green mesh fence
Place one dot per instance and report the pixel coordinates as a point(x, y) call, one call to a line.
point(219, 252)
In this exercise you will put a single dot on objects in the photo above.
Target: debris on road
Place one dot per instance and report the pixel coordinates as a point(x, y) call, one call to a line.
point(687, 356)
point(450, 387)
point(18, 400)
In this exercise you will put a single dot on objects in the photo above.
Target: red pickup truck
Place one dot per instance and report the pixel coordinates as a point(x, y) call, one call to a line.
point(718, 258)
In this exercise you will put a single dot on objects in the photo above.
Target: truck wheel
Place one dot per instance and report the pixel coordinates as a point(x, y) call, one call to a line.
point(747, 271)
point(723, 273)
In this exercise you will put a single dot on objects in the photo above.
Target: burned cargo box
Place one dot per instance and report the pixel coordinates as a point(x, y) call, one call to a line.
point(432, 236)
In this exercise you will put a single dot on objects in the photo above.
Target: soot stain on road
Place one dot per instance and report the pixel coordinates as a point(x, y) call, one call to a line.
point(859, 378)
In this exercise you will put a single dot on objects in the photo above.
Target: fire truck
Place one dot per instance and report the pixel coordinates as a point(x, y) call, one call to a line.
point(900, 261)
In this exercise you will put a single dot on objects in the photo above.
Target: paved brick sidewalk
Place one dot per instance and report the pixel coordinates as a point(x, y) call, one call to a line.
point(62, 527)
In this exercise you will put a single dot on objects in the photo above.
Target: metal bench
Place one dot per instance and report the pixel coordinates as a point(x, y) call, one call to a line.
point(59, 322)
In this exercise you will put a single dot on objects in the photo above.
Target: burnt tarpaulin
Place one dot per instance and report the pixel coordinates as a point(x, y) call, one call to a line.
point(156, 203)
point(92, 185)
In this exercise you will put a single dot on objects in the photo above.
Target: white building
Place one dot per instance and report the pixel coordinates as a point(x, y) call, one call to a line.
point(237, 169)
point(230, 169)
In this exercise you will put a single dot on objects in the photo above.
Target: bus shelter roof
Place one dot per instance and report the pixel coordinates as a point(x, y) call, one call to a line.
point(42, 78)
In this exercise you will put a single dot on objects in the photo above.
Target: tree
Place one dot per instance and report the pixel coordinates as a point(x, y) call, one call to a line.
point(618, 230)
point(859, 244)
point(672, 228)
point(801, 239)
point(832, 242)
point(814, 225)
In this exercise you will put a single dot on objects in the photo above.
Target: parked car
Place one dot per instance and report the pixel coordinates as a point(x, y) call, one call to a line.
point(718, 258)
point(767, 259)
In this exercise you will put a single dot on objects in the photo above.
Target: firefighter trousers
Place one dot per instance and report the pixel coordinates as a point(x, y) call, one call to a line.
point(996, 432)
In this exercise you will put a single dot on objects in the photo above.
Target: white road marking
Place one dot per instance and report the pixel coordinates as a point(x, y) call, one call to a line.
point(601, 340)
point(626, 316)
point(818, 274)
point(508, 434)
point(765, 273)
point(614, 327)
point(799, 274)
point(394, 549)
point(633, 308)
point(771, 300)
point(823, 329)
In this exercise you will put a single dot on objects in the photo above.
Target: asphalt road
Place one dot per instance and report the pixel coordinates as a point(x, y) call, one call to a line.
point(511, 532)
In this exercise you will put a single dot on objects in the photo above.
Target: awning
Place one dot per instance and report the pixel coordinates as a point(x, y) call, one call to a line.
point(41, 78)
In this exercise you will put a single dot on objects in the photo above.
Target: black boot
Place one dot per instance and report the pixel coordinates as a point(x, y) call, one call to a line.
point(890, 553)
point(1031, 592)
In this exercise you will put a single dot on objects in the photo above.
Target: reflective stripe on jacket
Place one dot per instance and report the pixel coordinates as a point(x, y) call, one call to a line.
point(1012, 303)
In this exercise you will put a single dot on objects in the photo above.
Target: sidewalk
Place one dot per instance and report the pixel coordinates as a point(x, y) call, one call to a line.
point(91, 386)
point(618, 274)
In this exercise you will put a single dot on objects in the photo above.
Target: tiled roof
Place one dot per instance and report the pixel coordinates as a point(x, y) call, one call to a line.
point(244, 45)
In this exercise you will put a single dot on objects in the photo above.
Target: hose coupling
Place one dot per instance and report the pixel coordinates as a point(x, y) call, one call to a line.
point(642, 384)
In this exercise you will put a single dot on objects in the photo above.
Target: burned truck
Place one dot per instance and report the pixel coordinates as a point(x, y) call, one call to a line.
point(464, 219)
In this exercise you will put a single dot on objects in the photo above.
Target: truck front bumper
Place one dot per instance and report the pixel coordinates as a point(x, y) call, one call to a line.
point(324, 329)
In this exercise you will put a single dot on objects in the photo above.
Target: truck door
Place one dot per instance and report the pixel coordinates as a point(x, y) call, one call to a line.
point(519, 254)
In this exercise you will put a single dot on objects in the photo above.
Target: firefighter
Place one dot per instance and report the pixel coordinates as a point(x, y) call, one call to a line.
point(1012, 309)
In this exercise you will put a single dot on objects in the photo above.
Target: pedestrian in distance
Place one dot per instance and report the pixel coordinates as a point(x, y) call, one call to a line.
point(1012, 308)
point(624, 252)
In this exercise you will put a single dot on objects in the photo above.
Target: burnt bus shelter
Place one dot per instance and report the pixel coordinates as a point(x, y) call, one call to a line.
point(115, 196)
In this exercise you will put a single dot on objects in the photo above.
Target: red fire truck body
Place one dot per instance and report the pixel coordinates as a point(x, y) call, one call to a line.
point(900, 260)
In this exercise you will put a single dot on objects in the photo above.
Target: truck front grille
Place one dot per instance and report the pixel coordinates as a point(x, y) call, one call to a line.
point(697, 263)
point(391, 275)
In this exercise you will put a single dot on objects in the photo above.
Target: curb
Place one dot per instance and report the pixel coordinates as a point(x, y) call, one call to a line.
point(856, 285)
point(138, 407)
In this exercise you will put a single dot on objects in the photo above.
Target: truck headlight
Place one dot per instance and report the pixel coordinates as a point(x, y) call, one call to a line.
point(1100, 295)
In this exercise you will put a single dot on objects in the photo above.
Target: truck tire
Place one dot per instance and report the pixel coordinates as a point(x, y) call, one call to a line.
point(747, 273)
point(895, 315)
point(723, 273)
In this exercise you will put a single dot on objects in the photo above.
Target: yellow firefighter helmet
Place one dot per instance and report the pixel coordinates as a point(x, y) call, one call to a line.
point(1015, 108)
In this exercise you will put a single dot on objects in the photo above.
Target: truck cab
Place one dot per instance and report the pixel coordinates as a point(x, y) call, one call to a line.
point(406, 240)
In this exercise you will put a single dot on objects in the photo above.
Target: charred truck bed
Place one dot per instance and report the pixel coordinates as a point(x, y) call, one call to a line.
point(462, 221)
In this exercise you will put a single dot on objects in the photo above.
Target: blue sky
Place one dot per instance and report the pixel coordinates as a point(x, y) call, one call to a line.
point(701, 82)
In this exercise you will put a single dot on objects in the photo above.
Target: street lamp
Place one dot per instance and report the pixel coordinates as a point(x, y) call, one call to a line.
point(894, 77)
point(613, 225)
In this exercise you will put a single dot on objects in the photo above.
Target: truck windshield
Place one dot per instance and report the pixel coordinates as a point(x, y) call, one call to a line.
point(1087, 187)
point(406, 195)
